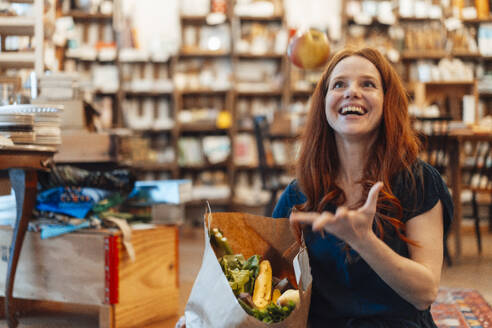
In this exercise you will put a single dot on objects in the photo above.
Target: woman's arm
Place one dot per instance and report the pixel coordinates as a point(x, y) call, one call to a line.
point(415, 279)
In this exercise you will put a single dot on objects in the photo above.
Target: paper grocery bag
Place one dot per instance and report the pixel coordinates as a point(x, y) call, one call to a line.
point(212, 303)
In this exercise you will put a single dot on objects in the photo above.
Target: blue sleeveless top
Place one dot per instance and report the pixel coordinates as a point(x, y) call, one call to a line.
point(348, 293)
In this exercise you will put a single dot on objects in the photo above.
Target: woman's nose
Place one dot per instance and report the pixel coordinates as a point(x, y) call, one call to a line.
point(352, 91)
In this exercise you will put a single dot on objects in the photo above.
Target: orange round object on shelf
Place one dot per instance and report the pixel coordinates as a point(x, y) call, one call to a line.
point(309, 50)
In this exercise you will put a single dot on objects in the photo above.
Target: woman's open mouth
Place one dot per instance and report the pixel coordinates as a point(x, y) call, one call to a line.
point(352, 110)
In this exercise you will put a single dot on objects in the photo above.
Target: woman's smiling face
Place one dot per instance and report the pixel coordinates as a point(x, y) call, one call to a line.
point(354, 100)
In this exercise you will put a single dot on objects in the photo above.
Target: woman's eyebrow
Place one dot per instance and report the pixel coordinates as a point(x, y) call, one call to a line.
point(344, 77)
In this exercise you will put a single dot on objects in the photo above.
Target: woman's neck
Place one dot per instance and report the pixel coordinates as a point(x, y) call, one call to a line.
point(353, 157)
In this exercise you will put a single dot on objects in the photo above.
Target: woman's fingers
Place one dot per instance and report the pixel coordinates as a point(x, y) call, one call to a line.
point(304, 217)
point(316, 220)
point(322, 220)
point(372, 199)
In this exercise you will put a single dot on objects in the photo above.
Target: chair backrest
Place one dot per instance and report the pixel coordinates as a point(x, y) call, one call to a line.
point(434, 132)
point(261, 127)
point(481, 171)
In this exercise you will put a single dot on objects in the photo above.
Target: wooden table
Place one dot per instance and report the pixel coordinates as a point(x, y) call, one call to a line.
point(457, 139)
point(22, 162)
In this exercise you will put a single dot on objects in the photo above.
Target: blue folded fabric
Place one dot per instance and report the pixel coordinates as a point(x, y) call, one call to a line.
point(53, 230)
point(73, 201)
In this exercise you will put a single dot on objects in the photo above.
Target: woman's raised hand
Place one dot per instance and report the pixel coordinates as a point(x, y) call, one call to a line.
point(348, 225)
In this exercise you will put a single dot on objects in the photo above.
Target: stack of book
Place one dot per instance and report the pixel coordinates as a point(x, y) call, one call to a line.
point(18, 127)
point(31, 124)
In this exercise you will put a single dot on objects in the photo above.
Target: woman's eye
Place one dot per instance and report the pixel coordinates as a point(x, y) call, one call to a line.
point(369, 84)
point(337, 84)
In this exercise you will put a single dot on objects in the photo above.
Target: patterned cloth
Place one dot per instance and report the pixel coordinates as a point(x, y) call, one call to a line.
point(461, 308)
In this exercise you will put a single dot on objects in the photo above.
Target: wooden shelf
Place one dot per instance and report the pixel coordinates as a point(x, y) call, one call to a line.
point(200, 127)
point(466, 55)
point(105, 93)
point(266, 93)
point(203, 53)
point(373, 23)
point(449, 83)
point(278, 167)
point(82, 15)
point(194, 19)
point(17, 25)
point(274, 18)
point(93, 60)
point(201, 92)
point(246, 167)
point(477, 20)
point(422, 54)
point(17, 59)
point(148, 93)
point(302, 92)
point(485, 94)
point(202, 167)
point(198, 20)
point(153, 130)
point(417, 19)
point(259, 56)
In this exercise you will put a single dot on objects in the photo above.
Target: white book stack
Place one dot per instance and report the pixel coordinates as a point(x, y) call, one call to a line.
point(45, 126)
point(58, 86)
point(18, 127)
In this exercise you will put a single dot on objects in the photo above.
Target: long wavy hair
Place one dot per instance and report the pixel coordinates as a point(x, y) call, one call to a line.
point(394, 151)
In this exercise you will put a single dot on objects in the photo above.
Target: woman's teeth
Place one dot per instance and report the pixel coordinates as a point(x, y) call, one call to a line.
point(352, 110)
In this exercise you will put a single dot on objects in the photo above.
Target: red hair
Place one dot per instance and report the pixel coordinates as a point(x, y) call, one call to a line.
point(394, 151)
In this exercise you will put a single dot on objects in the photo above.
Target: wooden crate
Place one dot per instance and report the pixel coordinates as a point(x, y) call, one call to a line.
point(80, 146)
point(92, 267)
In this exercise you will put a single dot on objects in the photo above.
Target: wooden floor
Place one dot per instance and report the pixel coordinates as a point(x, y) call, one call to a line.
point(471, 271)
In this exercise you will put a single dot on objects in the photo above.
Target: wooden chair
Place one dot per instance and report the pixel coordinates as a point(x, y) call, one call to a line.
point(269, 175)
point(435, 135)
point(479, 181)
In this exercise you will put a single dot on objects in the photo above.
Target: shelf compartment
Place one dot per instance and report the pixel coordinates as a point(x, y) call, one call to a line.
point(17, 25)
point(17, 59)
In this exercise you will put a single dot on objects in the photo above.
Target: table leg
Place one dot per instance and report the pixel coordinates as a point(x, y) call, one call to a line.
point(24, 185)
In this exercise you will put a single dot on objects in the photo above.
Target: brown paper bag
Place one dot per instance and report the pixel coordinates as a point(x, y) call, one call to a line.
point(212, 303)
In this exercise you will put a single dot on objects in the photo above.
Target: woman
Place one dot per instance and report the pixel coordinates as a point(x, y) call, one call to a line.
point(373, 215)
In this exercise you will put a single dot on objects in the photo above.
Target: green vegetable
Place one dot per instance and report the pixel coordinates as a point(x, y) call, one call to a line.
point(272, 313)
point(253, 266)
point(220, 242)
point(231, 262)
point(238, 280)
